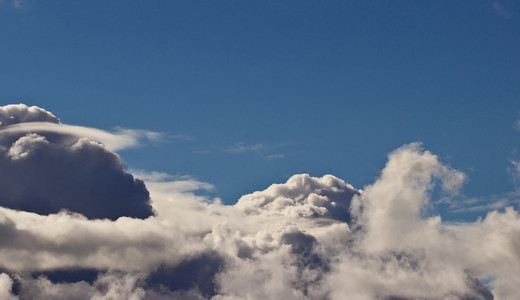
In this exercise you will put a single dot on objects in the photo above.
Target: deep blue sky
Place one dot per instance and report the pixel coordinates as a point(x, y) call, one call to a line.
point(267, 89)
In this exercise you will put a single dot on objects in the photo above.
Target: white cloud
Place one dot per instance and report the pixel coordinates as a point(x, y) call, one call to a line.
point(21, 113)
point(242, 147)
point(514, 170)
point(24, 146)
point(308, 238)
point(266, 151)
point(20, 119)
point(268, 253)
point(113, 141)
point(501, 10)
point(302, 196)
point(487, 206)
point(275, 156)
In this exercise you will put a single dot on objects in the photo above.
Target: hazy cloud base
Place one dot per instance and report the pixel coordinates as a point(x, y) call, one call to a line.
point(308, 238)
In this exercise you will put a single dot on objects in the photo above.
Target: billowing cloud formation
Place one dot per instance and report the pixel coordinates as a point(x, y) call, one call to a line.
point(302, 196)
point(308, 238)
point(46, 168)
point(20, 113)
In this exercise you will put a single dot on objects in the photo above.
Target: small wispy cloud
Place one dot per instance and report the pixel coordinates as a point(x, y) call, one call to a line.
point(267, 151)
point(18, 4)
point(498, 205)
point(242, 147)
point(514, 171)
point(486, 204)
point(153, 136)
point(501, 10)
point(155, 176)
point(121, 138)
point(517, 125)
point(275, 156)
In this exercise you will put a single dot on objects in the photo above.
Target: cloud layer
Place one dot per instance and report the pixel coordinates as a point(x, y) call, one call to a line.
point(308, 238)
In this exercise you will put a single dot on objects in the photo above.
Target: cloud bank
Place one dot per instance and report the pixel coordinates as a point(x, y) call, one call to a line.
point(308, 238)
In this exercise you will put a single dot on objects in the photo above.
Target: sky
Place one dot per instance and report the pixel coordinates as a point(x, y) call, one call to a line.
point(263, 134)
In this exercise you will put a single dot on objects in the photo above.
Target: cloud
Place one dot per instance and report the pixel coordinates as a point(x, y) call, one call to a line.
point(16, 119)
point(107, 286)
point(501, 10)
point(258, 148)
point(242, 147)
point(266, 151)
point(482, 205)
point(21, 113)
point(275, 156)
point(47, 166)
point(119, 140)
point(514, 171)
point(18, 4)
point(302, 196)
point(307, 238)
point(492, 202)
point(6, 285)
point(517, 125)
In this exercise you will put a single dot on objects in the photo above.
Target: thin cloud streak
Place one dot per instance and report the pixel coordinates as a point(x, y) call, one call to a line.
point(119, 140)
point(501, 10)
point(242, 147)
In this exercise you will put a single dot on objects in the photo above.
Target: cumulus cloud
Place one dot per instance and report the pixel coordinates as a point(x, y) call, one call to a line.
point(302, 196)
point(47, 166)
point(307, 238)
point(21, 113)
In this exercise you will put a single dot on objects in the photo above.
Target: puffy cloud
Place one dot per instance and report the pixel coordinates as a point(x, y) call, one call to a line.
point(47, 166)
point(21, 113)
point(302, 196)
point(307, 238)
point(389, 211)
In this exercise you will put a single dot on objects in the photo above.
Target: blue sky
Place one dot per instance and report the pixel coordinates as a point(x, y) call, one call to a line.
point(251, 92)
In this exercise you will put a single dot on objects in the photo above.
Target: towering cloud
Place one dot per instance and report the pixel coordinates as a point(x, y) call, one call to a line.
point(45, 170)
point(308, 238)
